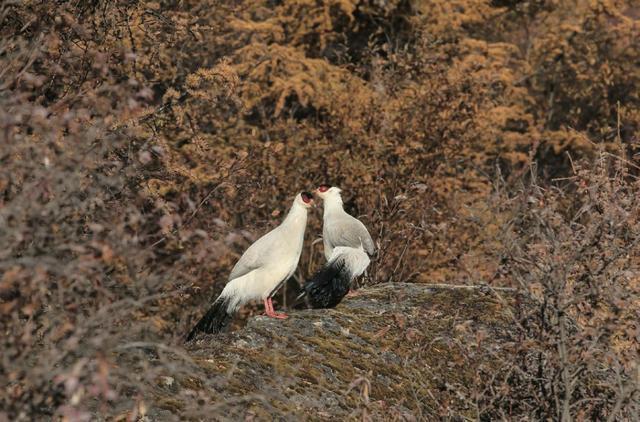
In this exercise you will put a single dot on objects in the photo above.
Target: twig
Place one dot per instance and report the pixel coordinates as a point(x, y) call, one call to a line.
point(206, 198)
point(193, 214)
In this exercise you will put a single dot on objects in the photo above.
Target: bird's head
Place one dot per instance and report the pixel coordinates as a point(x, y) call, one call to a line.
point(325, 192)
point(305, 199)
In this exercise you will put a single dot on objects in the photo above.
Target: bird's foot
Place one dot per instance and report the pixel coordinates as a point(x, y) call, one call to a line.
point(272, 314)
point(353, 293)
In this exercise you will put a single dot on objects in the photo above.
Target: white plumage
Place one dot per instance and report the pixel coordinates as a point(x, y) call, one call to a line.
point(347, 246)
point(356, 261)
point(340, 228)
point(260, 271)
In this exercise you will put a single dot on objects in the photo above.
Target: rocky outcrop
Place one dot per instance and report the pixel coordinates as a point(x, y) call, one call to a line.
point(394, 351)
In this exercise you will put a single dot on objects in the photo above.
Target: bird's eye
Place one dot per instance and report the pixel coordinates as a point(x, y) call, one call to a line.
point(306, 197)
point(323, 188)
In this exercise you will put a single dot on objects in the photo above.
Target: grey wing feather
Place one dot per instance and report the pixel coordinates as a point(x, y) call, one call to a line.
point(349, 232)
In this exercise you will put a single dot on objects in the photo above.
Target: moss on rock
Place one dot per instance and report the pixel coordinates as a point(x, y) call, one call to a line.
point(395, 349)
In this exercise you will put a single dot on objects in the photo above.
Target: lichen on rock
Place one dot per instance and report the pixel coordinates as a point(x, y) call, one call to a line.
point(395, 349)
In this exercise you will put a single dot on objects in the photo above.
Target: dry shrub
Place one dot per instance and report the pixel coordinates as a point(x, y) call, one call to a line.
point(573, 247)
point(81, 284)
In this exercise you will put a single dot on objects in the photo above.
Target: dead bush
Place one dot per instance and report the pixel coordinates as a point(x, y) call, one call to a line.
point(573, 248)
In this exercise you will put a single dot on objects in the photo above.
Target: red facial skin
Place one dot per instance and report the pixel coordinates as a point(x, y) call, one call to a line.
point(307, 198)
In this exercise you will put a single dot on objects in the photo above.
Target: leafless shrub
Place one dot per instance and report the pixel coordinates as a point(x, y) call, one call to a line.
point(81, 290)
point(573, 247)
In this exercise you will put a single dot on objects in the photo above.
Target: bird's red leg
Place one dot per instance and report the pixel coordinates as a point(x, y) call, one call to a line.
point(274, 314)
point(267, 307)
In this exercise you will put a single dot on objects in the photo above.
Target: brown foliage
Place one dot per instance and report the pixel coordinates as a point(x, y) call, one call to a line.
point(574, 247)
point(145, 144)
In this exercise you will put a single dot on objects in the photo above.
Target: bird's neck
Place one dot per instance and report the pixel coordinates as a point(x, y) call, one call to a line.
point(296, 217)
point(333, 205)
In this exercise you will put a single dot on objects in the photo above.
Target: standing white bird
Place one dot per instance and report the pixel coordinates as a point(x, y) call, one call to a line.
point(261, 270)
point(347, 247)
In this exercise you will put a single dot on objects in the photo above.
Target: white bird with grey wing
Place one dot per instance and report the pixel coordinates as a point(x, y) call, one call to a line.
point(261, 270)
point(347, 247)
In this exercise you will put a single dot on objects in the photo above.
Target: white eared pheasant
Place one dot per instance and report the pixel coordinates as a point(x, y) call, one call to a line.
point(347, 247)
point(261, 270)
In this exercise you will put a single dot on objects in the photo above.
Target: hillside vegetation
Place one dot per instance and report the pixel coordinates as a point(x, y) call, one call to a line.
point(144, 145)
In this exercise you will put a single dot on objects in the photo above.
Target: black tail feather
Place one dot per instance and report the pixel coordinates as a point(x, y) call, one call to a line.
point(214, 320)
point(327, 287)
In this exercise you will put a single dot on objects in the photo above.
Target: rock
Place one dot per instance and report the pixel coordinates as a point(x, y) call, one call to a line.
point(395, 349)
